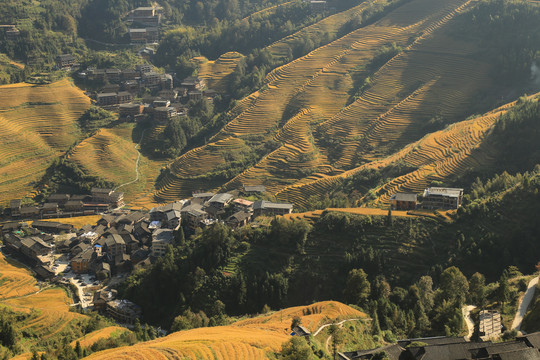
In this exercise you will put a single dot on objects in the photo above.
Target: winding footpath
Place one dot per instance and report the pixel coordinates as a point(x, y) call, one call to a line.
point(466, 310)
point(339, 324)
point(524, 304)
point(137, 147)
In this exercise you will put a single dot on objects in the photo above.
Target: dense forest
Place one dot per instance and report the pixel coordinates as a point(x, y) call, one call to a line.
point(293, 261)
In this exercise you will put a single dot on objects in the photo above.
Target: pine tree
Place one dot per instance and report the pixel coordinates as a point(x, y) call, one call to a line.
point(179, 237)
point(389, 218)
point(504, 289)
point(138, 330)
point(78, 349)
point(375, 326)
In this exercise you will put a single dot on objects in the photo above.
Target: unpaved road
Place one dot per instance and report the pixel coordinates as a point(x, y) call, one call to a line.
point(467, 316)
point(524, 303)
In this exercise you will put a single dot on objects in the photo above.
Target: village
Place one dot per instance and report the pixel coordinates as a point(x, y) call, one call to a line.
point(141, 92)
point(161, 96)
point(95, 257)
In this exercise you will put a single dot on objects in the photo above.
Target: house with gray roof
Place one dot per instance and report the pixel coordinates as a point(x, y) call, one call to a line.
point(161, 239)
point(115, 245)
point(450, 348)
point(268, 208)
point(220, 200)
point(254, 189)
point(442, 198)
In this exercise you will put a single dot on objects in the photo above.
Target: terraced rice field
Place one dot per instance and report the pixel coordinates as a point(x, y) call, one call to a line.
point(215, 71)
point(15, 280)
point(49, 312)
point(248, 339)
point(111, 155)
point(313, 215)
point(108, 332)
point(435, 76)
point(257, 15)
point(318, 313)
point(330, 25)
point(16, 64)
point(38, 124)
point(436, 156)
point(48, 309)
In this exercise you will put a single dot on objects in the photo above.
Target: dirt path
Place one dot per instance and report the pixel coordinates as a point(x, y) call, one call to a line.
point(524, 303)
point(466, 310)
point(137, 147)
point(339, 324)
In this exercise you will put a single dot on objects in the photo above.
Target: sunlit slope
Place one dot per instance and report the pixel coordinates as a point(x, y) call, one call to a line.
point(437, 156)
point(310, 93)
point(90, 339)
point(433, 77)
point(47, 311)
point(16, 280)
point(215, 71)
point(111, 154)
point(247, 339)
point(37, 124)
point(329, 26)
point(311, 215)
point(265, 12)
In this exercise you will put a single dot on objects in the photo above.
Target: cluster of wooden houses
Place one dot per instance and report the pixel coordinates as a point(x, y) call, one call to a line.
point(317, 5)
point(432, 198)
point(206, 208)
point(144, 24)
point(124, 240)
point(526, 347)
point(32, 245)
point(66, 205)
point(122, 86)
point(11, 32)
point(124, 311)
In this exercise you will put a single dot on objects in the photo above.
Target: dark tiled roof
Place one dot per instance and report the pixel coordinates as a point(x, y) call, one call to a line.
point(437, 340)
point(254, 188)
point(263, 204)
point(523, 354)
point(531, 339)
point(220, 198)
point(498, 348)
point(404, 197)
point(394, 352)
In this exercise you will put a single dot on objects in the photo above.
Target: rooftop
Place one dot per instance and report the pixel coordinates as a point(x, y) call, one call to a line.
point(243, 202)
point(263, 204)
point(125, 306)
point(101, 95)
point(404, 197)
point(202, 194)
point(220, 198)
point(162, 235)
point(450, 192)
point(254, 188)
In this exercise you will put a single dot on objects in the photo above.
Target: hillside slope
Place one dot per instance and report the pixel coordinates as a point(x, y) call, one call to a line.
point(304, 105)
point(43, 314)
point(38, 124)
point(254, 338)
